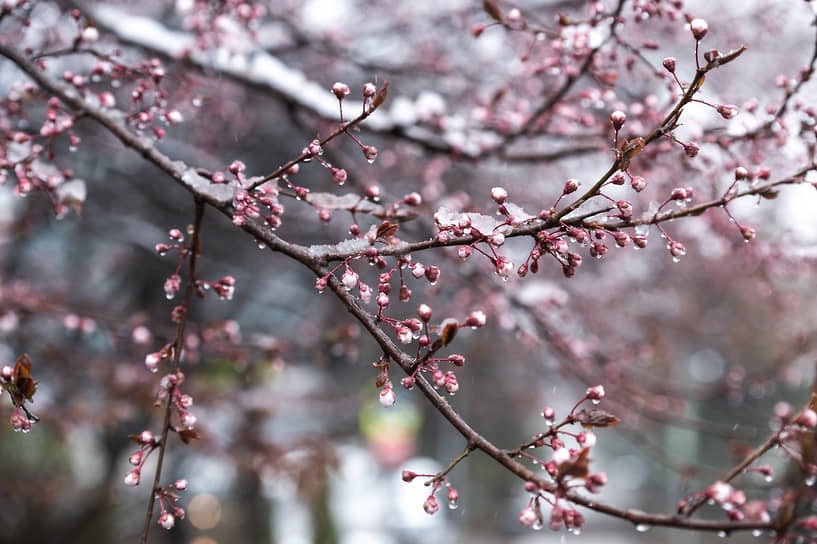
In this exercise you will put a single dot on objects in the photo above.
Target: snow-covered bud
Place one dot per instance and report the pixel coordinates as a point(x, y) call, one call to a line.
point(741, 173)
point(457, 359)
point(339, 175)
point(431, 506)
point(451, 385)
point(679, 193)
point(413, 199)
point(404, 335)
point(595, 393)
point(167, 520)
point(499, 194)
point(174, 117)
point(560, 455)
point(424, 311)
point(669, 64)
point(187, 419)
point(587, 439)
point(808, 418)
point(349, 279)
point(152, 361)
point(677, 249)
point(370, 152)
point(135, 458)
point(720, 492)
point(340, 90)
point(549, 413)
point(236, 167)
point(617, 118)
point(146, 437)
point(504, 267)
point(132, 478)
point(19, 422)
point(314, 148)
point(571, 185)
point(387, 397)
point(476, 319)
point(528, 516)
point(180, 485)
point(727, 111)
point(89, 34)
point(369, 90)
point(699, 28)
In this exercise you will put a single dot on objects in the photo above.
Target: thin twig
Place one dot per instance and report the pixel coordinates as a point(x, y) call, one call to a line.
point(178, 346)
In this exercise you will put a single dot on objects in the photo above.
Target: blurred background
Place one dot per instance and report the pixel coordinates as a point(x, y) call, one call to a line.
point(697, 356)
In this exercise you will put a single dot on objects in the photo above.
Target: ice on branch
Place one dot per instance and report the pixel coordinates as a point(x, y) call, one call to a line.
point(220, 193)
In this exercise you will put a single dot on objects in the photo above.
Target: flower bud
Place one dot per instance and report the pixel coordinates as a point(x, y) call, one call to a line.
point(132, 478)
point(499, 195)
point(431, 506)
point(726, 111)
point(596, 392)
point(617, 118)
point(528, 516)
point(167, 520)
point(340, 90)
point(699, 28)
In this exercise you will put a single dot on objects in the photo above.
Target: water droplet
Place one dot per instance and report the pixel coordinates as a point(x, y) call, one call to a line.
point(370, 161)
point(595, 401)
point(810, 480)
point(676, 259)
point(757, 532)
point(576, 531)
point(196, 102)
point(643, 527)
point(722, 534)
point(169, 296)
point(452, 505)
point(72, 148)
point(538, 524)
point(433, 282)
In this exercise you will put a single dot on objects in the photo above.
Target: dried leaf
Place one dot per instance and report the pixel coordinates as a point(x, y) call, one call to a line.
point(449, 331)
point(188, 435)
point(596, 418)
point(21, 378)
point(580, 468)
point(492, 10)
point(386, 230)
point(380, 97)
